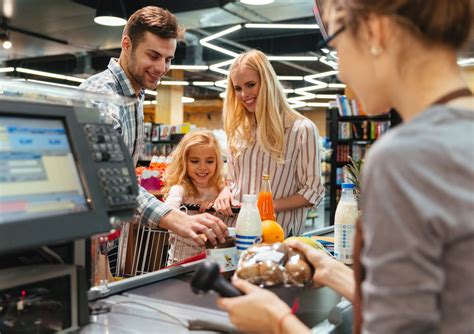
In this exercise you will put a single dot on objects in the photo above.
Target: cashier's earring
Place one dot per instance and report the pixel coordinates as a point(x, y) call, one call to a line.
point(375, 51)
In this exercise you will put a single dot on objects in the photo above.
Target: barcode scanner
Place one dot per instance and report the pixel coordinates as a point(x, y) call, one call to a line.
point(207, 277)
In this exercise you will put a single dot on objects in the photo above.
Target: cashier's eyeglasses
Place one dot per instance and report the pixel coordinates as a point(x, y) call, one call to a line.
point(324, 43)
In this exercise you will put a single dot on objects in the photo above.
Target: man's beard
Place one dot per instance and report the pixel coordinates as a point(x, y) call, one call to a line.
point(137, 76)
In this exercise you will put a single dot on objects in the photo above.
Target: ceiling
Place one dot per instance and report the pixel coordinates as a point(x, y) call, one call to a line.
point(82, 47)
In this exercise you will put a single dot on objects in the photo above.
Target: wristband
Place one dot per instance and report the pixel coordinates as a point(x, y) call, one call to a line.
point(294, 309)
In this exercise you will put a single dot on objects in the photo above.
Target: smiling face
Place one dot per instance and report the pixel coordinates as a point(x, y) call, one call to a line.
point(201, 164)
point(246, 83)
point(149, 60)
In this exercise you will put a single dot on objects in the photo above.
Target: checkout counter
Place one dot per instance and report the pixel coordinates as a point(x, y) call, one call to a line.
point(60, 160)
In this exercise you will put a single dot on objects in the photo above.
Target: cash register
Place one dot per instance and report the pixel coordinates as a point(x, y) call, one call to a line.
point(65, 175)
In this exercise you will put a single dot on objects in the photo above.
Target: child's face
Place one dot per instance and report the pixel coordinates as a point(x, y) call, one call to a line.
point(201, 164)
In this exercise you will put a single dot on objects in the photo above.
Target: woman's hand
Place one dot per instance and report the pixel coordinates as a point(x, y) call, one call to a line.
point(258, 311)
point(223, 202)
point(328, 271)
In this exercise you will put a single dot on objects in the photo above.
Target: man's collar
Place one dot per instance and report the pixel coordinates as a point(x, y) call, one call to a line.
point(123, 79)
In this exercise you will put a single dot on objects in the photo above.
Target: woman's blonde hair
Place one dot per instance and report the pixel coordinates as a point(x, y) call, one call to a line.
point(266, 124)
point(176, 172)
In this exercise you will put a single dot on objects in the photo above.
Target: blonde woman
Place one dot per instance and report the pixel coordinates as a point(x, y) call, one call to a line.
point(266, 136)
point(193, 177)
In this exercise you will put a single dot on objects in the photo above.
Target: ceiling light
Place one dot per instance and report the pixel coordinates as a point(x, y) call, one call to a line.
point(189, 67)
point(325, 96)
point(7, 69)
point(290, 77)
point(151, 92)
point(5, 40)
point(174, 83)
point(280, 26)
point(466, 62)
point(49, 75)
point(203, 83)
point(185, 99)
point(205, 41)
point(292, 58)
point(257, 2)
point(51, 83)
point(222, 95)
point(110, 13)
point(221, 83)
point(335, 85)
point(318, 104)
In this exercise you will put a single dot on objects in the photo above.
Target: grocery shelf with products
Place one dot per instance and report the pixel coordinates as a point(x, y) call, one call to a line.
point(351, 133)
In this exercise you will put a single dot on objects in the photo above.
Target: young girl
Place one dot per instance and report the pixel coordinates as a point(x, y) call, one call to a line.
point(193, 177)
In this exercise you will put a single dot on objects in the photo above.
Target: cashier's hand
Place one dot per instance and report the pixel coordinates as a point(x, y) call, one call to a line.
point(224, 202)
point(258, 311)
point(321, 262)
point(192, 226)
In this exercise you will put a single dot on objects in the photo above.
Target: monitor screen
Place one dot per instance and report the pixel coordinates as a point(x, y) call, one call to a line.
point(318, 10)
point(38, 174)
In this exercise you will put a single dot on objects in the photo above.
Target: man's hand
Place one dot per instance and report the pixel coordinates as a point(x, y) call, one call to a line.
point(191, 226)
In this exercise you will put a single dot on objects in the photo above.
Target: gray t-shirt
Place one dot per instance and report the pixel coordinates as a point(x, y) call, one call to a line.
point(418, 220)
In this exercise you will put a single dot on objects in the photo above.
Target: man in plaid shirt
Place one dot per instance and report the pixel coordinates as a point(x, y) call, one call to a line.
point(148, 45)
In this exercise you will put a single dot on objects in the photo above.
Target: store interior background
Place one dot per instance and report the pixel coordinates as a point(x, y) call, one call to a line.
point(60, 37)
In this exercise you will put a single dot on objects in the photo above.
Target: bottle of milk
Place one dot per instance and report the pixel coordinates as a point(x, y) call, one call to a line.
point(345, 220)
point(248, 228)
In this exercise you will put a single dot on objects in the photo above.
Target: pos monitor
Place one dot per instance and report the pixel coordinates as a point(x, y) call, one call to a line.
point(60, 179)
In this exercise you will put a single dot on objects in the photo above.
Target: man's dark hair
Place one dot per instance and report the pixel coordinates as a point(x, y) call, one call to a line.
point(156, 20)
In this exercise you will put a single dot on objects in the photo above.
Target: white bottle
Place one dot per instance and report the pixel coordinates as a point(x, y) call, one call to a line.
point(347, 213)
point(249, 225)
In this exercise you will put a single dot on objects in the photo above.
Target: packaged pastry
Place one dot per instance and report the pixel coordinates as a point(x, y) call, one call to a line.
point(272, 265)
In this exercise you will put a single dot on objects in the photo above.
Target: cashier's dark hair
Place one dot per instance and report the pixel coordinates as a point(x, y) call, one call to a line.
point(442, 22)
point(156, 20)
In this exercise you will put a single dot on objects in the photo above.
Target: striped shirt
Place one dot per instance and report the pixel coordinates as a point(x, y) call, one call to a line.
point(128, 121)
point(299, 174)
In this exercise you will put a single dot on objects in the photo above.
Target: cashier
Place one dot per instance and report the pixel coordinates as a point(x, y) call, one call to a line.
point(148, 46)
point(417, 199)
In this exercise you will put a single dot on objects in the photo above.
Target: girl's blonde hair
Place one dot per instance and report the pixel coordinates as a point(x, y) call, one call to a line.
point(176, 172)
point(272, 107)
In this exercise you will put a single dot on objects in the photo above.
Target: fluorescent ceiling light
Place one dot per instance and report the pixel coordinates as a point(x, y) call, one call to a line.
point(49, 75)
point(335, 85)
point(189, 67)
point(320, 75)
point(280, 26)
point(326, 96)
point(466, 62)
point(318, 104)
point(222, 95)
point(288, 91)
point(185, 99)
point(174, 83)
point(221, 83)
point(7, 69)
point(331, 63)
point(203, 83)
point(257, 2)
point(220, 49)
point(74, 79)
point(325, 50)
point(150, 92)
point(297, 104)
point(221, 33)
point(292, 58)
point(217, 67)
point(290, 77)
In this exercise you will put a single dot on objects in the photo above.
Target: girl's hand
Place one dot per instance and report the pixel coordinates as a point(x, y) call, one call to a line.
point(223, 202)
point(259, 310)
point(203, 206)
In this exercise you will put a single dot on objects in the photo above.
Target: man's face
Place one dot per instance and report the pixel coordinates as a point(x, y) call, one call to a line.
point(150, 60)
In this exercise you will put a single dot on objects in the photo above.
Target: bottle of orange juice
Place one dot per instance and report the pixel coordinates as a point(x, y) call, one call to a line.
point(265, 201)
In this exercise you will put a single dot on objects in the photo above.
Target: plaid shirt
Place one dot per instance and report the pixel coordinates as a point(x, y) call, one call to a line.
point(128, 121)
